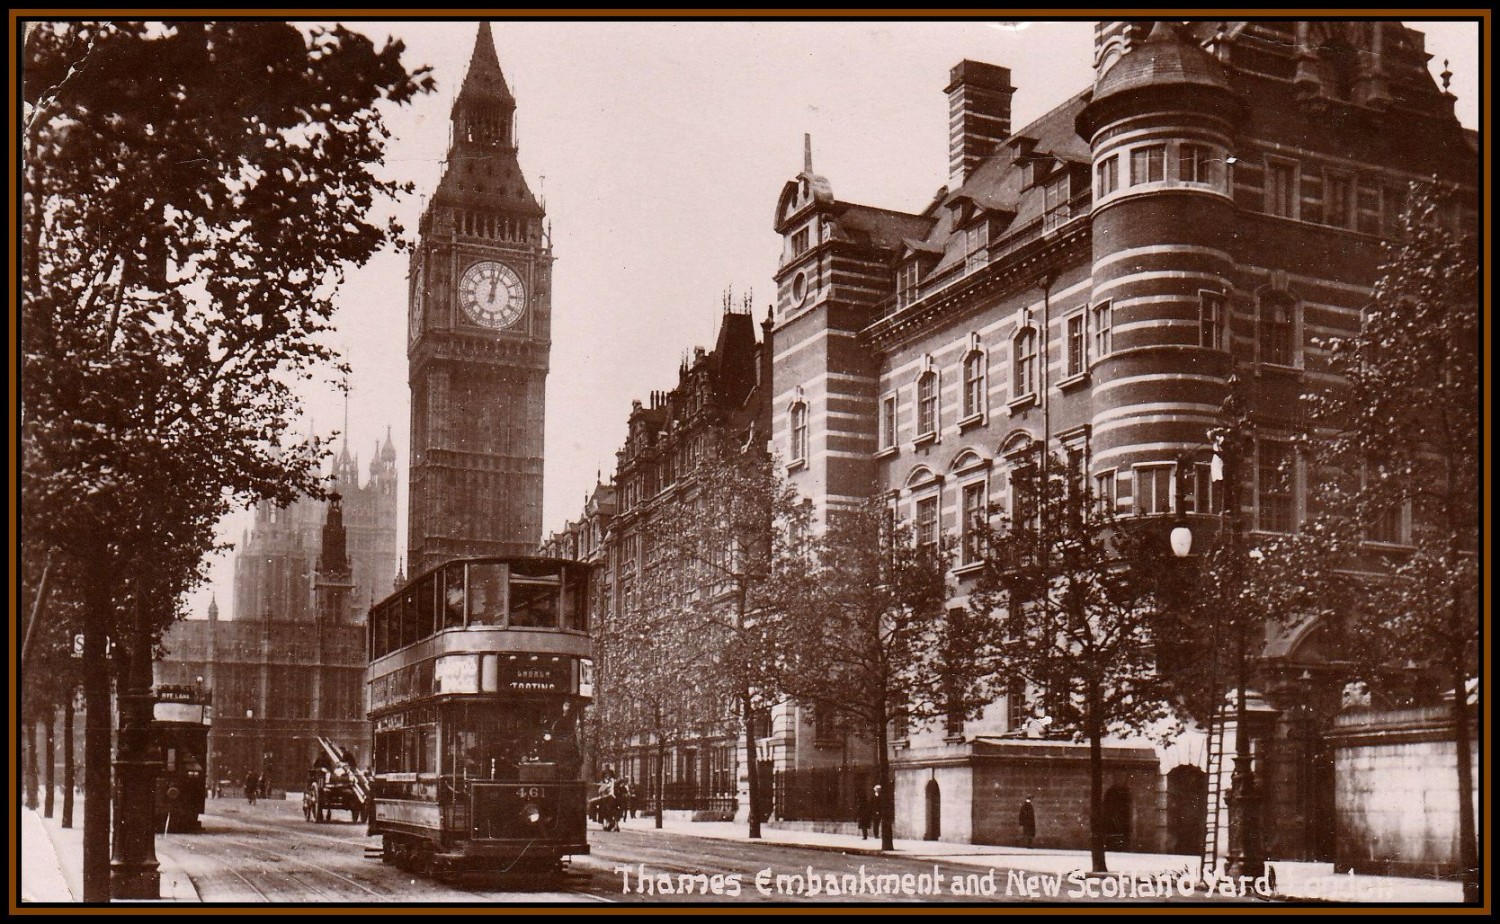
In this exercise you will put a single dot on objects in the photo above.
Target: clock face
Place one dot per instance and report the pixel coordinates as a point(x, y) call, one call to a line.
point(491, 295)
point(416, 306)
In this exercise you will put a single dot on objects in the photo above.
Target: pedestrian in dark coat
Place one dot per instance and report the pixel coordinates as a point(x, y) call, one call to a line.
point(252, 786)
point(864, 817)
point(1027, 818)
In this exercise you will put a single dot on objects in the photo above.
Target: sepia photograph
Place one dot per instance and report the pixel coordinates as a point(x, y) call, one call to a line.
point(749, 458)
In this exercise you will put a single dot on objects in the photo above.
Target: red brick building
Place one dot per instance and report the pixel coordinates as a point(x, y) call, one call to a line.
point(1213, 203)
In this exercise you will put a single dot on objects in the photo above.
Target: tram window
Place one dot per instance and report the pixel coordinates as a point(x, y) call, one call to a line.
point(453, 597)
point(379, 619)
point(533, 603)
point(486, 595)
point(409, 633)
point(426, 606)
point(575, 612)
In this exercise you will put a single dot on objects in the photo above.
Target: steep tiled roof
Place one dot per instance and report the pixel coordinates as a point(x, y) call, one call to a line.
point(999, 184)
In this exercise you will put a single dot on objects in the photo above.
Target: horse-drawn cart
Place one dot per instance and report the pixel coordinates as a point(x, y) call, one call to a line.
point(334, 782)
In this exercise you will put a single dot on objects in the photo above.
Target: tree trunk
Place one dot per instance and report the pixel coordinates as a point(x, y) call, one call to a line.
point(69, 771)
point(661, 774)
point(29, 729)
point(752, 772)
point(96, 748)
point(885, 805)
point(1468, 849)
point(1096, 786)
point(49, 801)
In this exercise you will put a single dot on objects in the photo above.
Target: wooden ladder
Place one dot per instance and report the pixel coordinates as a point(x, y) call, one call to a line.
point(1210, 855)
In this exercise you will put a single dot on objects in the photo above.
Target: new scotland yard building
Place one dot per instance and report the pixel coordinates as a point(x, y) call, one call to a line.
point(1214, 203)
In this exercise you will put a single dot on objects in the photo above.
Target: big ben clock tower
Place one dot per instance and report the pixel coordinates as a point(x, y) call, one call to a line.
point(480, 304)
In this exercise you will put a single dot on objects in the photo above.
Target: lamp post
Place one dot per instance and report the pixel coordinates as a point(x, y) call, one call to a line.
point(1246, 855)
point(134, 871)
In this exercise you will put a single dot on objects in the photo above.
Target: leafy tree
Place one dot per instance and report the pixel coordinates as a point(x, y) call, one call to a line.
point(192, 194)
point(858, 616)
point(1398, 449)
point(721, 541)
point(1078, 595)
point(652, 685)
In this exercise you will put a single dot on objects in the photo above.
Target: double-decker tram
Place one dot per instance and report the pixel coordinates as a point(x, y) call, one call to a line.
point(479, 673)
point(180, 719)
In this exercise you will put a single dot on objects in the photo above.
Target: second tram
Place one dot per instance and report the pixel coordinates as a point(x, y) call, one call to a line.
point(180, 721)
point(479, 673)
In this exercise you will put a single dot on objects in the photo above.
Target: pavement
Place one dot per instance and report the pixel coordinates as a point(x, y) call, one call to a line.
point(52, 863)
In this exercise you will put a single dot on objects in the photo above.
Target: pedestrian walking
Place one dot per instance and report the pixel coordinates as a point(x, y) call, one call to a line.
point(877, 811)
point(863, 811)
point(1027, 818)
point(252, 786)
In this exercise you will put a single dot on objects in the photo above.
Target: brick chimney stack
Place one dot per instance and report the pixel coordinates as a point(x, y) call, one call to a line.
point(978, 115)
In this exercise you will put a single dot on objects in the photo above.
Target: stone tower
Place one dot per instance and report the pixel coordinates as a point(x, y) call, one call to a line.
point(480, 332)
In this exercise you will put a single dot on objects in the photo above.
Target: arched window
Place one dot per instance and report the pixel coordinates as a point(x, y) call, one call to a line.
point(974, 403)
point(927, 403)
point(1024, 362)
point(799, 431)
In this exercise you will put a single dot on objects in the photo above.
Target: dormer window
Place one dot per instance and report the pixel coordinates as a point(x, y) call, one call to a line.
point(976, 246)
point(1056, 194)
point(907, 277)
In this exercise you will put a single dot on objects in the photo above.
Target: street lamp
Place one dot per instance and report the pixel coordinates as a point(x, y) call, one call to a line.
point(1246, 855)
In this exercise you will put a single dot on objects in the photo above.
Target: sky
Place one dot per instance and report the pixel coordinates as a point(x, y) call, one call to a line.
point(659, 149)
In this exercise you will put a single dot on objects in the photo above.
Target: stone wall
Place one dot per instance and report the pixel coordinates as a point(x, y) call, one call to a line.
point(1056, 777)
point(1397, 792)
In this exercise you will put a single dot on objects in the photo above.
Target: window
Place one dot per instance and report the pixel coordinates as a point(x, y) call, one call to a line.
point(977, 246)
point(799, 431)
point(906, 284)
point(927, 403)
point(1148, 164)
point(888, 422)
point(1392, 207)
point(1024, 362)
point(1025, 512)
point(1194, 163)
point(975, 515)
point(1055, 195)
point(1281, 189)
point(1390, 525)
point(1103, 316)
point(973, 384)
point(1077, 345)
point(927, 522)
point(1367, 221)
point(1277, 329)
point(1107, 175)
point(1153, 489)
point(1211, 320)
point(1275, 481)
point(1200, 495)
point(800, 241)
point(1338, 200)
point(1104, 490)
